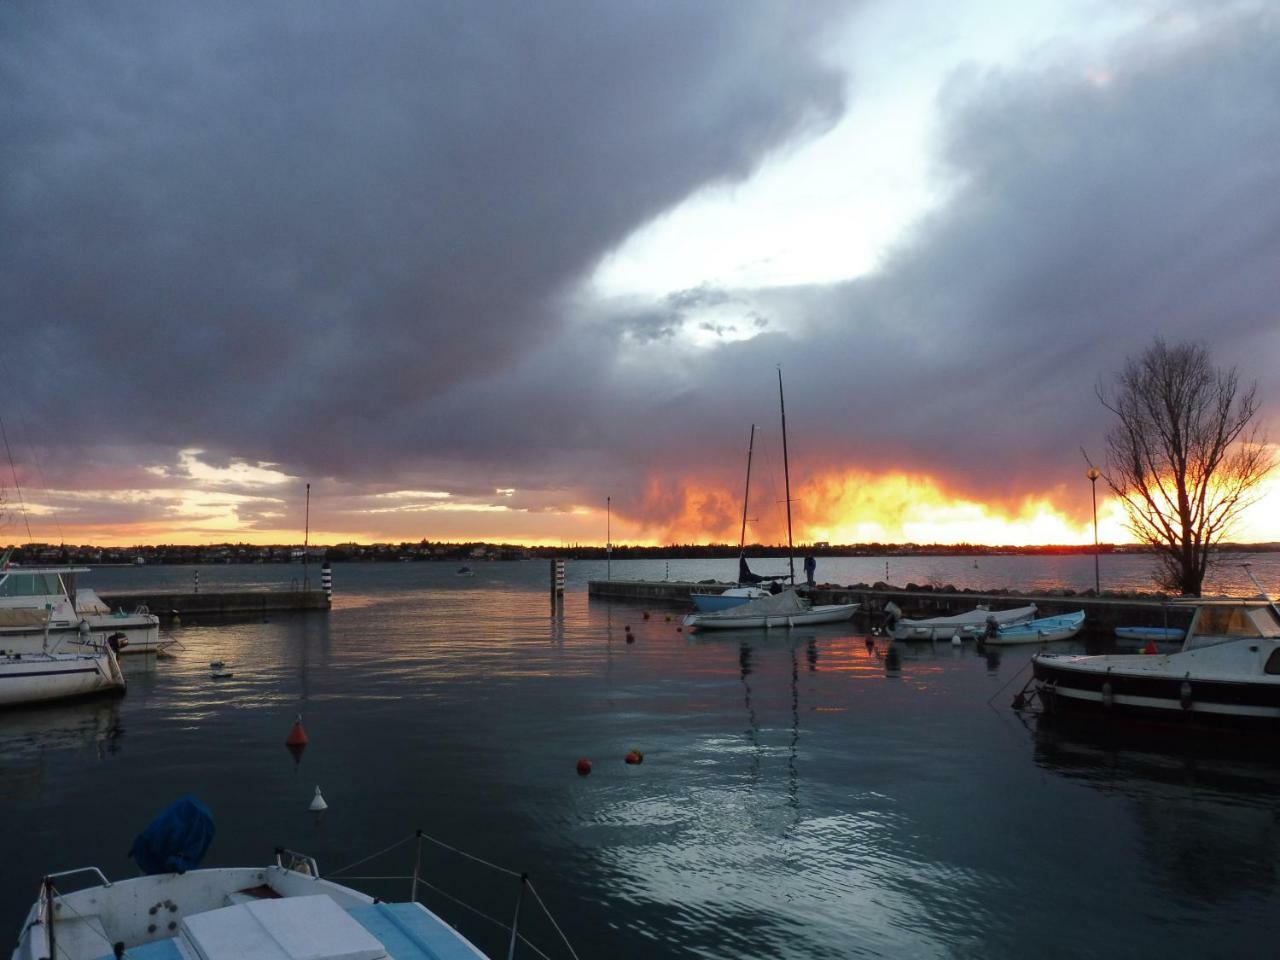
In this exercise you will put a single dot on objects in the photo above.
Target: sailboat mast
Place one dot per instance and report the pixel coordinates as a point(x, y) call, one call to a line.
point(746, 494)
point(786, 475)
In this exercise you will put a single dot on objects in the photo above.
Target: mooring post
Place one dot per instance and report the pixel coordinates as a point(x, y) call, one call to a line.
point(195, 578)
point(326, 581)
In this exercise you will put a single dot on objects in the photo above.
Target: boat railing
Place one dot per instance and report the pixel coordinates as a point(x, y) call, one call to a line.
point(73, 872)
point(417, 880)
point(297, 862)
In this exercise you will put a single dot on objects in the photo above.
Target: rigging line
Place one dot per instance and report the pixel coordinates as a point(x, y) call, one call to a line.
point(472, 856)
point(398, 843)
point(17, 486)
point(567, 944)
point(494, 920)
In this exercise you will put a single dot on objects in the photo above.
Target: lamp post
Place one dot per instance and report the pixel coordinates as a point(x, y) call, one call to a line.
point(1093, 475)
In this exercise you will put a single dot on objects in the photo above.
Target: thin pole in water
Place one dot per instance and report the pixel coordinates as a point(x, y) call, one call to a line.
point(608, 538)
point(306, 542)
point(786, 476)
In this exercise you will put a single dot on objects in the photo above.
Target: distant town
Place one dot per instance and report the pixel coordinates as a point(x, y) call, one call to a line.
point(426, 550)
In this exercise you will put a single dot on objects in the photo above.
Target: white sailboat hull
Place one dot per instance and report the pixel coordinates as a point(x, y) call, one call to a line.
point(971, 624)
point(38, 678)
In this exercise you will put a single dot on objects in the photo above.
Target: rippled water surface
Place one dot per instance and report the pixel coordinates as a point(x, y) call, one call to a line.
point(801, 796)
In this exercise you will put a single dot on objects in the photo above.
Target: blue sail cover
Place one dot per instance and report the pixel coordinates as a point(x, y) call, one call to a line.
point(176, 840)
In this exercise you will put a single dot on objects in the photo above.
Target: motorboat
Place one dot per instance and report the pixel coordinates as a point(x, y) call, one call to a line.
point(1226, 674)
point(962, 625)
point(1041, 630)
point(285, 910)
point(785, 609)
point(38, 677)
point(39, 599)
point(464, 572)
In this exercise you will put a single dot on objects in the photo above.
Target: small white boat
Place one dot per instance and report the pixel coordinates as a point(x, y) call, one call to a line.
point(1043, 630)
point(38, 677)
point(283, 911)
point(785, 609)
point(962, 625)
point(1226, 674)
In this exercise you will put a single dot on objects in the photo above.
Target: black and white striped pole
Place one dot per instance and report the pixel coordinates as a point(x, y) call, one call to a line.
point(326, 581)
point(195, 579)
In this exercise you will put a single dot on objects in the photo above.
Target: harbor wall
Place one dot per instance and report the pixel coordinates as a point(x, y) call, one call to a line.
point(220, 603)
point(1105, 612)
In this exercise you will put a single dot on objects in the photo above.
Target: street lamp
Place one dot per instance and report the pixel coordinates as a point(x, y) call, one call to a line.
point(1093, 475)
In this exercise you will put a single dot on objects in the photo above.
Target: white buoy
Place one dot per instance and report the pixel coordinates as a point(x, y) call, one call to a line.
point(955, 641)
point(317, 802)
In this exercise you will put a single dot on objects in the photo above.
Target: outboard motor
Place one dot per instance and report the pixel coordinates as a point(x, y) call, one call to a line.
point(892, 614)
point(993, 628)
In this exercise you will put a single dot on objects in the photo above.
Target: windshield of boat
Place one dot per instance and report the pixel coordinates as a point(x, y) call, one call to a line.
point(31, 585)
point(1237, 622)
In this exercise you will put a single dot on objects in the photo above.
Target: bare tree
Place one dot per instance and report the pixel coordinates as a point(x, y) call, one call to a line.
point(1185, 457)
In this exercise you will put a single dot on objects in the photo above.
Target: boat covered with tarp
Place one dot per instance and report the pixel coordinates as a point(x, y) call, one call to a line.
point(784, 609)
point(970, 624)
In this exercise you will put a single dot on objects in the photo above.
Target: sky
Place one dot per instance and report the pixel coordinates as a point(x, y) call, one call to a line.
point(527, 272)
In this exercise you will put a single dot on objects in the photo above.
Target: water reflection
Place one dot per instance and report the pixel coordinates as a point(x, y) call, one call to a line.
point(1204, 810)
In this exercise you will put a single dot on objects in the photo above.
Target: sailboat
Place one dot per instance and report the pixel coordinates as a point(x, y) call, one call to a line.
point(786, 608)
point(744, 590)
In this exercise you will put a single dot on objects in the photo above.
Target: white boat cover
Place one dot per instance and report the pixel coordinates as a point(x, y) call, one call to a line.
point(290, 928)
point(785, 604)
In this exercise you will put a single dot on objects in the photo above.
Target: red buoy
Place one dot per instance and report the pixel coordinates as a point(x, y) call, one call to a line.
point(645, 614)
point(630, 638)
point(584, 767)
point(679, 629)
point(634, 757)
point(297, 736)
point(1150, 647)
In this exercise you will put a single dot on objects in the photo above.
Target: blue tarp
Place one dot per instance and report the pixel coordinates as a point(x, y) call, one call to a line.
point(410, 933)
point(176, 840)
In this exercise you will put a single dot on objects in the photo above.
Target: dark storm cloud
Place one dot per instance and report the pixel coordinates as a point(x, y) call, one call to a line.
point(284, 235)
point(1088, 215)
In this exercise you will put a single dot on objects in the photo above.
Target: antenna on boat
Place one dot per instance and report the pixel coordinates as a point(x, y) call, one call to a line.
point(16, 485)
point(1262, 591)
point(786, 476)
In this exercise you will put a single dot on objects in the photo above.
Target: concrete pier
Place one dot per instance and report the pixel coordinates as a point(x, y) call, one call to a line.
point(1103, 613)
point(220, 604)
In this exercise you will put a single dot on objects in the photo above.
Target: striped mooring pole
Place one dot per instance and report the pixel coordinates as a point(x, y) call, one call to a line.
point(557, 582)
point(195, 578)
point(326, 581)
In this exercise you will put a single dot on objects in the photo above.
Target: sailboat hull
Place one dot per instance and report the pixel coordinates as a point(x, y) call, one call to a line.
point(829, 613)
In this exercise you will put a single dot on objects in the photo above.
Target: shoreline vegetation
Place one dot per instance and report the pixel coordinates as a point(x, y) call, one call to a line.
point(425, 550)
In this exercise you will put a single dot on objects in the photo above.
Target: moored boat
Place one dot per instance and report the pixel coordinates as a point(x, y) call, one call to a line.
point(39, 677)
point(39, 599)
point(1226, 674)
point(785, 609)
point(1041, 630)
point(962, 625)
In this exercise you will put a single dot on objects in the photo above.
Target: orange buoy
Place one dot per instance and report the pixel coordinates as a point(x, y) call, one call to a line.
point(645, 614)
point(297, 736)
point(584, 767)
point(1150, 647)
point(679, 629)
point(634, 757)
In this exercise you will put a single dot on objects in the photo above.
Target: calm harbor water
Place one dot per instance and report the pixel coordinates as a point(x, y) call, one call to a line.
point(800, 795)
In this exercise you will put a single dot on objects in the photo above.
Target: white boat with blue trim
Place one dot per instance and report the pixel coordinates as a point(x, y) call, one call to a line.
point(961, 625)
point(1041, 630)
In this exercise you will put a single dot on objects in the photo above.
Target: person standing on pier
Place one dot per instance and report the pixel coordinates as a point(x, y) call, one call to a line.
point(810, 566)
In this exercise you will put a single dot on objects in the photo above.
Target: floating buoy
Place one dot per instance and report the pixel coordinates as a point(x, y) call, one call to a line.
point(297, 736)
point(630, 638)
point(955, 641)
point(668, 618)
point(317, 803)
point(1150, 647)
point(645, 614)
point(871, 643)
point(679, 629)
point(584, 767)
point(627, 628)
point(634, 757)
